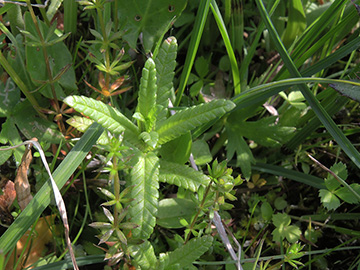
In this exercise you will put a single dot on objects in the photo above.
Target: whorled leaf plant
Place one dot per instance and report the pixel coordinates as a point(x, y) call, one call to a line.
point(154, 127)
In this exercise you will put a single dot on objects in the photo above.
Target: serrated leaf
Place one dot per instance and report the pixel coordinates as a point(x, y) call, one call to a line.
point(147, 92)
point(172, 210)
point(284, 229)
point(105, 115)
point(187, 254)
point(346, 195)
point(182, 175)
point(281, 220)
point(144, 255)
point(165, 66)
point(145, 178)
point(328, 199)
point(340, 170)
point(190, 118)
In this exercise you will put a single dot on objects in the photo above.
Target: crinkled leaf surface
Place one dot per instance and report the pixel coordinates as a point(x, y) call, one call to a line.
point(144, 255)
point(147, 92)
point(165, 66)
point(187, 254)
point(105, 115)
point(149, 17)
point(145, 178)
point(190, 118)
point(182, 175)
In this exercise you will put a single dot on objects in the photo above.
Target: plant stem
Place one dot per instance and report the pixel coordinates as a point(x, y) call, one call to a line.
point(192, 225)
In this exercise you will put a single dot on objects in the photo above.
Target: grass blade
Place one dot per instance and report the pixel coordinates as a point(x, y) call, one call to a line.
point(42, 198)
point(193, 47)
point(327, 121)
point(234, 67)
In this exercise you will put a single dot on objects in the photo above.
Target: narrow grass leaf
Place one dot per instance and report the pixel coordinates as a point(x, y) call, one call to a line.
point(329, 124)
point(222, 28)
point(196, 33)
point(42, 198)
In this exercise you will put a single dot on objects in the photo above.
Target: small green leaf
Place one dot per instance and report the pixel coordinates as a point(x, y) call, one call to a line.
point(83, 123)
point(281, 220)
point(5, 155)
point(266, 211)
point(201, 152)
point(33, 126)
point(58, 53)
point(202, 67)
point(328, 199)
point(172, 210)
point(280, 203)
point(292, 233)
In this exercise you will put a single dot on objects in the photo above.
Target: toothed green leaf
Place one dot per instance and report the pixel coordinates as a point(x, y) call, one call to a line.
point(147, 93)
point(182, 176)
point(183, 257)
point(143, 209)
point(105, 115)
point(190, 118)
